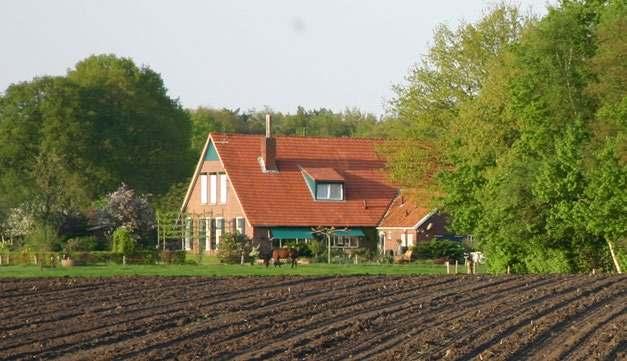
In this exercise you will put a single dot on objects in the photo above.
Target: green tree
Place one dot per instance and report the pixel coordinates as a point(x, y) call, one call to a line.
point(207, 120)
point(510, 150)
point(123, 241)
point(450, 75)
point(132, 122)
point(65, 141)
point(602, 208)
point(42, 147)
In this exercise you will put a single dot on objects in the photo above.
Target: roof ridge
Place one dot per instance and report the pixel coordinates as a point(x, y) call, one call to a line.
point(260, 135)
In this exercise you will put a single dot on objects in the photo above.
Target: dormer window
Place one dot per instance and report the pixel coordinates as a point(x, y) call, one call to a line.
point(325, 184)
point(329, 191)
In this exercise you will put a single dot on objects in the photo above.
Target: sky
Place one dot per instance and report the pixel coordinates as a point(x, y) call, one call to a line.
point(238, 54)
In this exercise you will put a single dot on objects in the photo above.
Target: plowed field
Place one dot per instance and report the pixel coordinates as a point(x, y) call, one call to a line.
point(334, 318)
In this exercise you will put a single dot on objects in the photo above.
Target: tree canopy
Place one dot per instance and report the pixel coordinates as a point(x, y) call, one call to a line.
point(65, 141)
point(524, 122)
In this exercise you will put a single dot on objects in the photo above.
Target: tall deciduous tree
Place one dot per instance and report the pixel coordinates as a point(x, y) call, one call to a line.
point(64, 141)
point(138, 134)
point(513, 145)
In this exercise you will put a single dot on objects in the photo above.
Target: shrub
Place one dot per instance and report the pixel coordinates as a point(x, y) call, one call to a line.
point(233, 246)
point(440, 249)
point(123, 241)
point(125, 208)
point(172, 257)
point(385, 258)
point(316, 247)
point(82, 244)
point(544, 260)
point(42, 238)
point(304, 249)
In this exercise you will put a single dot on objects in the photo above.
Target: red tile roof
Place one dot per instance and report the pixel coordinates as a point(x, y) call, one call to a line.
point(283, 198)
point(403, 212)
point(324, 174)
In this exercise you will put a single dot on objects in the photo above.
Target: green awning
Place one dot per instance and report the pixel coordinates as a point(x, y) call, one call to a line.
point(353, 232)
point(305, 233)
point(291, 233)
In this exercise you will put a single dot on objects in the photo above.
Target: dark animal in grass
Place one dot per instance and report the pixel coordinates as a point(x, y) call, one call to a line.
point(290, 254)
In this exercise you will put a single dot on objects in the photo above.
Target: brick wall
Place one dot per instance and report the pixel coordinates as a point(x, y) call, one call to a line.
point(436, 225)
point(228, 211)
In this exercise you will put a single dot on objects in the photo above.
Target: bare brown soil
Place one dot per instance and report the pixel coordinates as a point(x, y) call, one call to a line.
point(331, 318)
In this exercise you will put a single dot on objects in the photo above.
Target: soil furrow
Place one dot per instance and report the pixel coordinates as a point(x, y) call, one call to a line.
point(137, 322)
point(388, 339)
point(307, 318)
point(517, 326)
point(241, 322)
point(313, 331)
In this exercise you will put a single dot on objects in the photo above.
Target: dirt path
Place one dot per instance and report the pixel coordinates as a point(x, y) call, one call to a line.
point(326, 318)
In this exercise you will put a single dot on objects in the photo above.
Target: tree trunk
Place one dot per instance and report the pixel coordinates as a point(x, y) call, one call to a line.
point(616, 264)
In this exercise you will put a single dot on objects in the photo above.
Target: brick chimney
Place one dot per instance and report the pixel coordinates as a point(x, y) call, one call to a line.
point(268, 149)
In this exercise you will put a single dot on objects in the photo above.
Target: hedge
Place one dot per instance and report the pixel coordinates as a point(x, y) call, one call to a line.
point(92, 258)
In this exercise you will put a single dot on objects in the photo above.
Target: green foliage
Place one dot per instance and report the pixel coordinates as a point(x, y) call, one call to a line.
point(170, 202)
point(528, 149)
point(123, 241)
point(234, 246)
point(43, 238)
point(80, 244)
point(315, 122)
point(133, 121)
point(67, 140)
point(304, 249)
point(436, 248)
point(317, 247)
point(84, 258)
point(541, 260)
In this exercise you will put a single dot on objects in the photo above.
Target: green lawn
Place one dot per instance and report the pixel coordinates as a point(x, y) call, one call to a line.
point(318, 269)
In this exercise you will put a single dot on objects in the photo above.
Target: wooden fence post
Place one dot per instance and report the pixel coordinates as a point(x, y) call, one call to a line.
point(456, 263)
point(448, 268)
point(124, 260)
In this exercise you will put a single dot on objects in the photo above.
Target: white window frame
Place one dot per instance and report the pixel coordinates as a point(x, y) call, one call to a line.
point(188, 234)
point(224, 184)
point(213, 188)
point(410, 239)
point(203, 189)
point(382, 241)
point(328, 185)
point(219, 231)
point(239, 229)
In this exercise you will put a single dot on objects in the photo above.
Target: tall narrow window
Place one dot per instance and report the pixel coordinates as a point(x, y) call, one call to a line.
point(410, 240)
point(207, 234)
point(223, 188)
point(188, 234)
point(213, 188)
point(240, 225)
point(203, 189)
point(212, 233)
point(219, 230)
